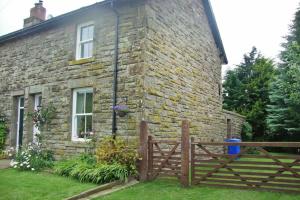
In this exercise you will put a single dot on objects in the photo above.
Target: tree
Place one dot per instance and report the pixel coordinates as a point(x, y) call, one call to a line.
point(284, 111)
point(246, 90)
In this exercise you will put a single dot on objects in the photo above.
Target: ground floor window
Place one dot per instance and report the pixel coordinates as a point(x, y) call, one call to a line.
point(82, 116)
point(20, 122)
point(37, 106)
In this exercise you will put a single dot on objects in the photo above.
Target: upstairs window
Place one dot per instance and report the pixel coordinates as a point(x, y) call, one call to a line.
point(85, 36)
point(82, 113)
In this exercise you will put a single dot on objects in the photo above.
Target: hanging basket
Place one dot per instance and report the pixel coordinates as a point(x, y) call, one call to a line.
point(122, 113)
point(121, 110)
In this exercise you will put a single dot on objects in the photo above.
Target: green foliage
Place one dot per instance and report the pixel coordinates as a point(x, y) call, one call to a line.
point(246, 132)
point(86, 169)
point(43, 116)
point(284, 109)
point(111, 151)
point(3, 133)
point(32, 158)
point(246, 90)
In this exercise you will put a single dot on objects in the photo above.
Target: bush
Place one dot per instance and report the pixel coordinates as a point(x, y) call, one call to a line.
point(3, 134)
point(85, 169)
point(111, 151)
point(246, 132)
point(32, 157)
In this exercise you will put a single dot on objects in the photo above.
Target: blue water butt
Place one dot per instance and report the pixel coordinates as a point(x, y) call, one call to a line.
point(232, 150)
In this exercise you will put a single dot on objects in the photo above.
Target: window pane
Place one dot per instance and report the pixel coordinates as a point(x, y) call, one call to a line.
point(40, 101)
point(91, 32)
point(89, 103)
point(80, 126)
point(90, 49)
point(87, 33)
point(80, 103)
point(84, 33)
point(21, 101)
point(86, 49)
point(89, 120)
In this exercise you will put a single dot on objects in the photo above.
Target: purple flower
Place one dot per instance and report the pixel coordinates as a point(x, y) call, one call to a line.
point(120, 108)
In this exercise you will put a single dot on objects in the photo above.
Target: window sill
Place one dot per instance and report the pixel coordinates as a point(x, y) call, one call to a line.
point(82, 61)
point(80, 140)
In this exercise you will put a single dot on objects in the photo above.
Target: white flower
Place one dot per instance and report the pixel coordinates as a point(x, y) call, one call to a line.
point(12, 163)
point(28, 166)
point(15, 166)
point(21, 164)
point(32, 169)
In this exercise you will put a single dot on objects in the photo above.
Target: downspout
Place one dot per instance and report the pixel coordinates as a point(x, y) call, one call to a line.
point(115, 75)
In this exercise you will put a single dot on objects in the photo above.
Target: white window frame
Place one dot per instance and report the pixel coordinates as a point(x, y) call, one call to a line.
point(74, 121)
point(36, 129)
point(79, 42)
point(18, 126)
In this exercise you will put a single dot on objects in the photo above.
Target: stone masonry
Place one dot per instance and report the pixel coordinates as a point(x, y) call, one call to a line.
point(169, 70)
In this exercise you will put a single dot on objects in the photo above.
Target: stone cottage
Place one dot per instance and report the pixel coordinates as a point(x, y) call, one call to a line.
point(161, 58)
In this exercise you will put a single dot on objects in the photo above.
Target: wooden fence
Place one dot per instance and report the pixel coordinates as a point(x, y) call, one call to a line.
point(252, 168)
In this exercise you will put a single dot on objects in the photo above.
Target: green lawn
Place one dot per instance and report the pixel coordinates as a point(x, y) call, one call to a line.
point(16, 185)
point(166, 189)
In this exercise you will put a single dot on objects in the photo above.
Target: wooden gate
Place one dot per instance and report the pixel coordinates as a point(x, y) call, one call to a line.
point(164, 158)
point(253, 168)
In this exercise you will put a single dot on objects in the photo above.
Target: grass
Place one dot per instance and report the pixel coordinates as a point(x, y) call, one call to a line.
point(168, 189)
point(16, 185)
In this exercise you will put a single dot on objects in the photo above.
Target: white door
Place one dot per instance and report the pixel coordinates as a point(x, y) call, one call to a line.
point(20, 122)
point(37, 105)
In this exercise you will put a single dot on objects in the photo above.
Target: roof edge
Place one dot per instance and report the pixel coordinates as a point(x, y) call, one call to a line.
point(215, 30)
point(48, 23)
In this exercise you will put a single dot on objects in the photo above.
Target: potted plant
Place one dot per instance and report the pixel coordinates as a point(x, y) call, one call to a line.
point(121, 110)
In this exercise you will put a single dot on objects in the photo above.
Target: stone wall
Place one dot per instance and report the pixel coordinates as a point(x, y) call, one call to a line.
point(169, 70)
point(183, 71)
point(234, 123)
point(45, 63)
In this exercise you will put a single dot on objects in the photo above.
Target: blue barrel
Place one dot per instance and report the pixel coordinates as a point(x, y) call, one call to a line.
point(232, 150)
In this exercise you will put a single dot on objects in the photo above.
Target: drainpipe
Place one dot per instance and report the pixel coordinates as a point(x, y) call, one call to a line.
point(115, 76)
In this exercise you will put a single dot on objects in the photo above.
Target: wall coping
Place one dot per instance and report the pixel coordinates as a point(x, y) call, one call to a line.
point(233, 113)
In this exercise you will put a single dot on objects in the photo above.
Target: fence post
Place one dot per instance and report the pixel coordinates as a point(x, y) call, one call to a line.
point(185, 151)
point(150, 158)
point(143, 151)
point(192, 160)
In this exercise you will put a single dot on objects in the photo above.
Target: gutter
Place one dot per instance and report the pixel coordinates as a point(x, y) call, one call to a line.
point(115, 73)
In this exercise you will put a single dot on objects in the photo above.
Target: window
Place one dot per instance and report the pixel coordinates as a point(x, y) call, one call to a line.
point(82, 113)
point(20, 122)
point(37, 106)
point(85, 35)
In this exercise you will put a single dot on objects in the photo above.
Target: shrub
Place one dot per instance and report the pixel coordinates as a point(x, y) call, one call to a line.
point(32, 157)
point(85, 169)
point(3, 134)
point(111, 151)
point(246, 132)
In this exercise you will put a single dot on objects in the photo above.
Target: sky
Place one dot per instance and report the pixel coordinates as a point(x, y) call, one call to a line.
point(242, 23)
